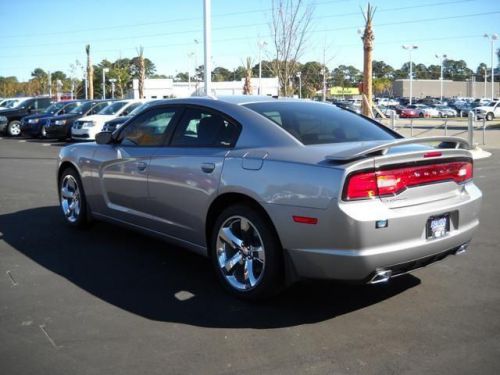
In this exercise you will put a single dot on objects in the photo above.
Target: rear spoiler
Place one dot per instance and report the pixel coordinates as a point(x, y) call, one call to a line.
point(381, 149)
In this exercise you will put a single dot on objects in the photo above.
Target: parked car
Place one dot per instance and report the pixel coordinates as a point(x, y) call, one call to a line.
point(112, 125)
point(275, 190)
point(60, 126)
point(11, 102)
point(10, 119)
point(35, 125)
point(86, 128)
point(409, 113)
point(445, 111)
point(424, 111)
point(489, 111)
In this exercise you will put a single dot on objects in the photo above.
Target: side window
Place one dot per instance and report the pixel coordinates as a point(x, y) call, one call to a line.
point(97, 108)
point(148, 129)
point(201, 128)
point(42, 103)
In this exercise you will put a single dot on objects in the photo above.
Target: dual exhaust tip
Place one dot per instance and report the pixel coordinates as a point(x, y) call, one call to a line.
point(383, 275)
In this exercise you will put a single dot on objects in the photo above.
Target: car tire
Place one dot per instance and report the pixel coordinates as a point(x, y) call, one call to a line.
point(72, 199)
point(420, 115)
point(489, 116)
point(14, 128)
point(246, 254)
point(43, 132)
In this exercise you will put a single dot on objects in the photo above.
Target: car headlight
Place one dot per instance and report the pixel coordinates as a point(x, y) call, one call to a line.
point(33, 121)
point(88, 124)
point(59, 122)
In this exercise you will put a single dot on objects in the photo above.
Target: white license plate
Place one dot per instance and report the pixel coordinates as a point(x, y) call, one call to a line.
point(438, 227)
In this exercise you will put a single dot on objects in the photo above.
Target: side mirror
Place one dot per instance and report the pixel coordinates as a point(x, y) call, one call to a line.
point(104, 138)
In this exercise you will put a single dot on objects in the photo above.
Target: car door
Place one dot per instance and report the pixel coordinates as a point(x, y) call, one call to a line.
point(124, 166)
point(184, 176)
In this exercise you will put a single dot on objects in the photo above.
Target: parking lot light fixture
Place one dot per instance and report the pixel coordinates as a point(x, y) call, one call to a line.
point(262, 44)
point(493, 37)
point(104, 71)
point(410, 48)
point(441, 62)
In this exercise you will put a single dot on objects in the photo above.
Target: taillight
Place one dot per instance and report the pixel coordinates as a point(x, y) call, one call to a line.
point(385, 182)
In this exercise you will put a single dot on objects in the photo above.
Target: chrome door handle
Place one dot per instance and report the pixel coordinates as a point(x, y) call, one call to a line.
point(207, 167)
point(142, 166)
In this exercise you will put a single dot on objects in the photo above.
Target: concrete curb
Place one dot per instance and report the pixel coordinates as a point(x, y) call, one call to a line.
point(479, 153)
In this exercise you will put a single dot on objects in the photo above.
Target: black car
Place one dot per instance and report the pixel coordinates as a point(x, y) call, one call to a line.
point(10, 119)
point(35, 125)
point(60, 126)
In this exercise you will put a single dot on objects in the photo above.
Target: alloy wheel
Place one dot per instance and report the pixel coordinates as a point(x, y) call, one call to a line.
point(70, 198)
point(240, 253)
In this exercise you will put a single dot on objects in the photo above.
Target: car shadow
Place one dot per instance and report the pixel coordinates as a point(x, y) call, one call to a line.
point(158, 281)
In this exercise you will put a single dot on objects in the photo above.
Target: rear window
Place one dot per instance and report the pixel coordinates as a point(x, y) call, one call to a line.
point(315, 123)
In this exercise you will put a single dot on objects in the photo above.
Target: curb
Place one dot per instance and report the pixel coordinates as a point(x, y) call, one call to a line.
point(479, 153)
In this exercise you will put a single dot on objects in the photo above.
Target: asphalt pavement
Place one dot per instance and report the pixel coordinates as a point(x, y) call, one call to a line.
point(108, 300)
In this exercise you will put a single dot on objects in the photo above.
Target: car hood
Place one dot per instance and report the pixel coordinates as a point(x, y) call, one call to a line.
point(482, 108)
point(40, 115)
point(98, 118)
point(119, 120)
point(66, 116)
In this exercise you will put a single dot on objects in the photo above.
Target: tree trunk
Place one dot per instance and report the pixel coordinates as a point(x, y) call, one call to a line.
point(368, 37)
point(90, 74)
point(142, 73)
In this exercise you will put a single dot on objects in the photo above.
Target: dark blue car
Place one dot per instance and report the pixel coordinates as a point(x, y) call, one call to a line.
point(34, 125)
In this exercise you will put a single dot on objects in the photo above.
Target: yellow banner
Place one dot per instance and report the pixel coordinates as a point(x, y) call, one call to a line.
point(338, 90)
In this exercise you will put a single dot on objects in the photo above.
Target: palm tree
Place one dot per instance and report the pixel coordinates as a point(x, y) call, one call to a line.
point(142, 72)
point(90, 73)
point(247, 87)
point(368, 37)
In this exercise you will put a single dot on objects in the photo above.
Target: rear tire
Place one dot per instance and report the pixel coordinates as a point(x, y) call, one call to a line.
point(72, 199)
point(246, 254)
point(14, 128)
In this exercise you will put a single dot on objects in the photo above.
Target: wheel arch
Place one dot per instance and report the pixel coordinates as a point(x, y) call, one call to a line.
point(226, 200)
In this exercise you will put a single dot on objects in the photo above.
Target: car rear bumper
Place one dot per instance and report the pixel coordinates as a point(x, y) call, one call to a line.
point(346, 244)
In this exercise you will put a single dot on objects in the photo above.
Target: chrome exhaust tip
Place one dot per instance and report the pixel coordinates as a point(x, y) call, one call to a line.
point(381, 276)
point(462, 249)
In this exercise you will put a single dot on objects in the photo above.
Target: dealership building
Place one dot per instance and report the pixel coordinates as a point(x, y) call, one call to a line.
point(168, 88)
point(432, 88)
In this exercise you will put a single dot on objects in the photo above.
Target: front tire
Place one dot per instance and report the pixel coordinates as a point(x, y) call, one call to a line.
point(72, 199)
point(489, 116)
point(14, 128)
point(246, 254)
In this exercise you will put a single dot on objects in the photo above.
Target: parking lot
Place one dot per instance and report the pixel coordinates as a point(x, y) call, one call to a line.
point(111, 301)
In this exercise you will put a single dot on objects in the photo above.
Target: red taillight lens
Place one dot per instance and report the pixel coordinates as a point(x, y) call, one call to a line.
point(366, 185)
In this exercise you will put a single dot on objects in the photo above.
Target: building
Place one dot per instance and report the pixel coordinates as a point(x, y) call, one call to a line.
point(168, 88)
point(432, 88)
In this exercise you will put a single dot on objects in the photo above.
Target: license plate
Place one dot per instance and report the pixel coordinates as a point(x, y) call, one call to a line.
point(438, 226)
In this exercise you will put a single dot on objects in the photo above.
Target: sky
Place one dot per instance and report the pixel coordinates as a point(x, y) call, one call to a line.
point(52, 34)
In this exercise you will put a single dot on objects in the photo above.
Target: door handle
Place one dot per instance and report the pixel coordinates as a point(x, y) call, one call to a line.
point(142, 166)
point(207, 167)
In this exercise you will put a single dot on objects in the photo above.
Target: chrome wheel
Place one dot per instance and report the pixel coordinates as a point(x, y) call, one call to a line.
point(240, 253)
point(70, 198)
point(14, 128)
point(44, 132)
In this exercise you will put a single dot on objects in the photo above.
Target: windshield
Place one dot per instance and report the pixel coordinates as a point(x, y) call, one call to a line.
point(491, 104)
point(140, 108)
point(53, 108)
point(113, 108)
point(315, 123)
point(81, 108)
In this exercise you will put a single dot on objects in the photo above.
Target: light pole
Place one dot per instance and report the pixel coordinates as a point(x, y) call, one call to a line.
point(112, 80)
point(86, 85)
point(104, 71)
point(190, 56)
point(261, 44)
point(492, 39)
point(299, 76)
point(485, 74)
point(410, 48)
point(441, 61)
point(207, 39)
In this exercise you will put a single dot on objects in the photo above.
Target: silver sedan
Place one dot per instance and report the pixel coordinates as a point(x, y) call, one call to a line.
point(277, 190)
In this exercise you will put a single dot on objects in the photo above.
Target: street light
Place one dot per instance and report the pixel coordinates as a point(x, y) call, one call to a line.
point(112, 80)
point(441, 61)
point(262, 44)
point(104, 71)
point(492, 39)
point(410, 48)
point(299, 76)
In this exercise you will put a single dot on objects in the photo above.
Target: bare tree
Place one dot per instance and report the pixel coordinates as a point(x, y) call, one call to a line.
point(247, 87)
point(142, 71)
point(90, 73)
point(290, 26)
point(368, 37)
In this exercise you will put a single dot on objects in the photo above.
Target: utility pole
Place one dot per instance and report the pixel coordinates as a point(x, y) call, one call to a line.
point(410, 48)
point(261, 45)
point(207, 37)
point(441, 61)
point(492, 38)
point(324, 75)
point(49, 76)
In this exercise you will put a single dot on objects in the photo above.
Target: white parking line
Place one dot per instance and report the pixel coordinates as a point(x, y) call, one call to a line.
point(22, 141)
point(45, 144)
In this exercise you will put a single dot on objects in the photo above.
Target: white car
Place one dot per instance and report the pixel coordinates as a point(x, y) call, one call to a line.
point(12, 102)
point(489, 111)
point(86, 128)
point(424, 111)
